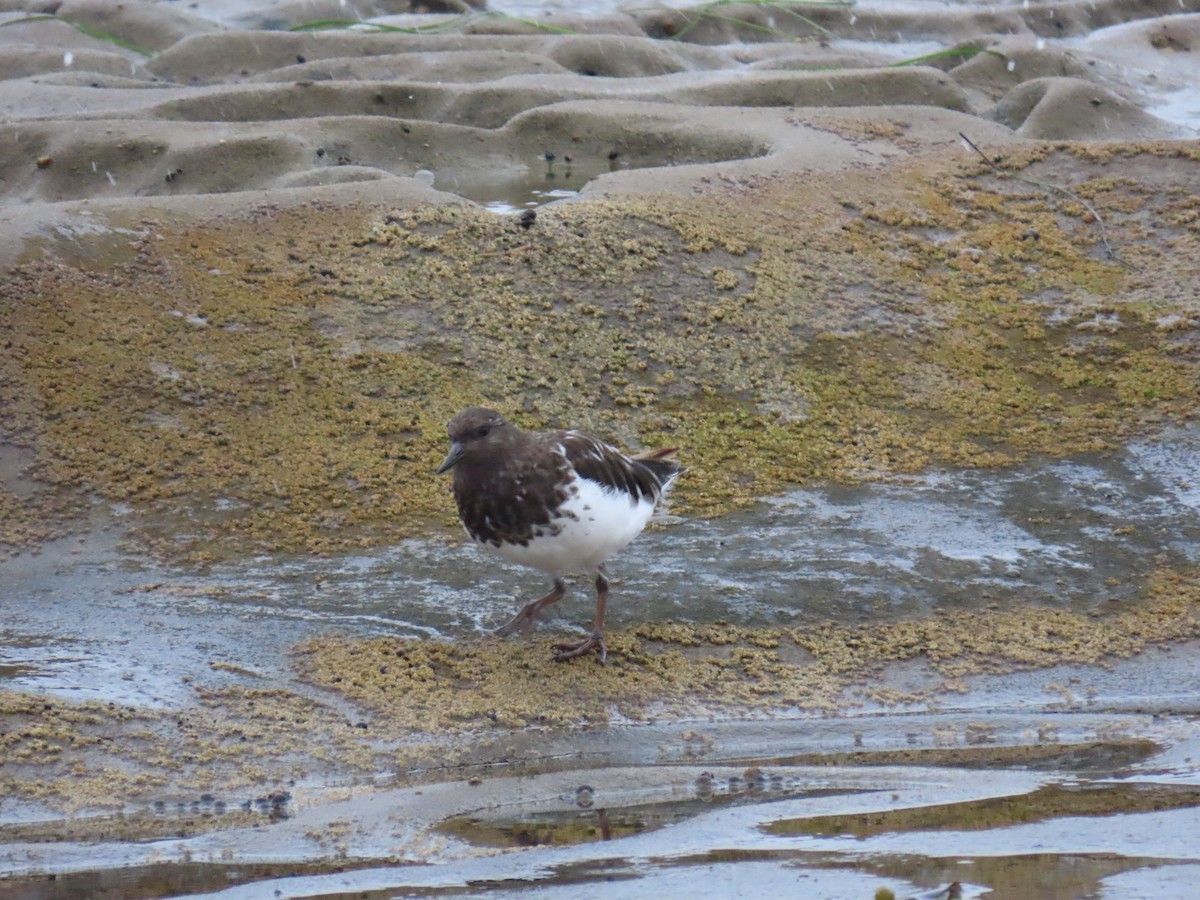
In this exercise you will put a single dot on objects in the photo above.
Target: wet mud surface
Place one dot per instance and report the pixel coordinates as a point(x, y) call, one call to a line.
point(655, 792)
point(924, 609)
point(1074, 542)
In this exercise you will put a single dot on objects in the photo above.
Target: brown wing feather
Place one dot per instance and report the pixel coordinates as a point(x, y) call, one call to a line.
point(641, 476)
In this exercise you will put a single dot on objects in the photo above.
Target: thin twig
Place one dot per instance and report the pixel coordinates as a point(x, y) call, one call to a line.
point(1051, 188)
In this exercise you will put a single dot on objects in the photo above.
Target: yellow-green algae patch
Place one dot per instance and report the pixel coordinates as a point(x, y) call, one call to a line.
point(143, 826)
point(1051, 801)
point(676, 669)
point(433, 705)
point(1120, 752)
point(559, 828)
point(281, 381)
point(234, 743)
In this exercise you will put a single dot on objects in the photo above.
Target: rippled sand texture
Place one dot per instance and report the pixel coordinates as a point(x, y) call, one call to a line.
point(913, 287)
point(145, 99)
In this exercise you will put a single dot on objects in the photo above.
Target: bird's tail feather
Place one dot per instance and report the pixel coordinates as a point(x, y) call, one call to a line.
point(662, 463)
point(649, 455)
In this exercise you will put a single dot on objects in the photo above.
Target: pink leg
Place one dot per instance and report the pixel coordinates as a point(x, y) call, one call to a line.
point(524, 620)
point(595, 640)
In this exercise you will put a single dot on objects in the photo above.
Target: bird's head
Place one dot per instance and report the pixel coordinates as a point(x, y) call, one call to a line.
point(474, 434)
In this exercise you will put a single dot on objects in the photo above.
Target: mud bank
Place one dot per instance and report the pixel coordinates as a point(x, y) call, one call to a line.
point(924, 608)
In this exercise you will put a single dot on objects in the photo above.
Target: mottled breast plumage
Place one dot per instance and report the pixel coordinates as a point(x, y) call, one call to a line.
point(517, 501)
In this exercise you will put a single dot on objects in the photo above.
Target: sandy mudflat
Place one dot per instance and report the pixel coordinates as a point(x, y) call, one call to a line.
point(925, 607)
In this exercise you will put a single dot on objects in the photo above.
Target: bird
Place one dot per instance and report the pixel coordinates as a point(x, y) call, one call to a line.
point(560, 502)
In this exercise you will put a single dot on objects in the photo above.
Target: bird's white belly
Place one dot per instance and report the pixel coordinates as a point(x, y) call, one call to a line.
point(595, 525)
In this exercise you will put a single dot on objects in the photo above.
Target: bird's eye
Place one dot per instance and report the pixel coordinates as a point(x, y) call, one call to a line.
point(483, 432)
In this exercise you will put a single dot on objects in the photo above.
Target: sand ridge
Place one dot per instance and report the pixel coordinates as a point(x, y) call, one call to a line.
point(140, 99)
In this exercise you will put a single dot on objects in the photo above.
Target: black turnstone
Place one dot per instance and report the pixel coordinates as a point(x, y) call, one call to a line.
point(559, 501)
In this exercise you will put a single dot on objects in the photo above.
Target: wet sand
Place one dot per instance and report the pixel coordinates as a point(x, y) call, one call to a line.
point(924, 609)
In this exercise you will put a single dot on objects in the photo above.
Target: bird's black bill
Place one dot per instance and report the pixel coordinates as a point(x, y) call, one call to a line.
point(455, 454)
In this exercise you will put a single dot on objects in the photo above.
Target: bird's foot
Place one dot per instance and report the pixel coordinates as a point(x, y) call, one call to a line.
point(522, 622)
point(528, 613)
point(594, 641)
